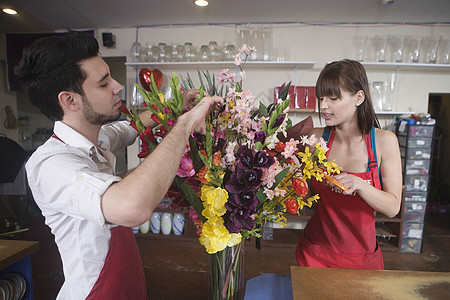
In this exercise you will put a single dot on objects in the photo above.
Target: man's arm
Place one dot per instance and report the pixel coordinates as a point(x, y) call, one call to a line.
point(131, 201)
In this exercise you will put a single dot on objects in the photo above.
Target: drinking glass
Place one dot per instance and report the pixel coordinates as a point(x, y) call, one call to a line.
point(380, 47)
point(397, 44)
point(445, 51)
point(360, 43)
point(431, 46)
point(414, 44)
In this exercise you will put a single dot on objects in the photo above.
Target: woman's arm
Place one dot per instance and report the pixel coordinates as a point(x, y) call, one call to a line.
point(388, 200)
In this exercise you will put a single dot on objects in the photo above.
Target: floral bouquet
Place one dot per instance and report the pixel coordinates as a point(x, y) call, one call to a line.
point(239, 175)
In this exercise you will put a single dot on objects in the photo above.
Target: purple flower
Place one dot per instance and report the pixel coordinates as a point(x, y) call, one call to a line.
point(260, 136)
point(236, 223)
point(243, 180)
point(247, 201)
point(251, 178)
point(245, 155)
point(277, 122)
point(263, 160)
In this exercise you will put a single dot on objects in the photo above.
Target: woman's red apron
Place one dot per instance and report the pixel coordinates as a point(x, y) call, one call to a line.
point(341, 233)
point(122, 276)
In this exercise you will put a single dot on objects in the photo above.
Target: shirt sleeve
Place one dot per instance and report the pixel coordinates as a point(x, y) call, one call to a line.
point(120, 134)
point(70, 184)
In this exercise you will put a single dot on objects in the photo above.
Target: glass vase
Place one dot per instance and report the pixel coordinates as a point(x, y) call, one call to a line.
point(226, 269)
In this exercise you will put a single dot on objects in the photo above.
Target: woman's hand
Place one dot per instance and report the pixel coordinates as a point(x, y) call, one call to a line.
point(352, 182)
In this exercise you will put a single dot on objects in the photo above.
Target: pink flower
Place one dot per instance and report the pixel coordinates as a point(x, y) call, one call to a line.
point(193, 214)
point(186, 168)
point(290, 149)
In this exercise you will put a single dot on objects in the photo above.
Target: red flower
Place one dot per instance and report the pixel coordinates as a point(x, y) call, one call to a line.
point(125, 110)
point(292, 205)
point(155, 119)
point(279, 147)
point(300, 187)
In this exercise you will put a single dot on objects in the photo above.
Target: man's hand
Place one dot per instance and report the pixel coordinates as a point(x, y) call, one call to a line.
point(189, 97)
point(196, 116)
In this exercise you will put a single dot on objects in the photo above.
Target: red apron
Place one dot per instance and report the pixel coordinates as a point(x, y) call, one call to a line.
point(122, 276)
point(341, 233)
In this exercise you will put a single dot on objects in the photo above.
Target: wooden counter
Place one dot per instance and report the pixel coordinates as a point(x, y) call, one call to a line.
point(12, 251)
point(327, 283)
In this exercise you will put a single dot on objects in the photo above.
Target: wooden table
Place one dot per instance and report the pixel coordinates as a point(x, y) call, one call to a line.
point(15, 257)
point(327, 283)
point(11, 251)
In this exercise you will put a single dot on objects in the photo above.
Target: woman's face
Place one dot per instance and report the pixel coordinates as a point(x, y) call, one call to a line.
point(336, 111)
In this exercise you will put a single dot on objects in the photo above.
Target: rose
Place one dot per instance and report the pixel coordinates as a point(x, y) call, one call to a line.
point(292, 205)
point(300, 187)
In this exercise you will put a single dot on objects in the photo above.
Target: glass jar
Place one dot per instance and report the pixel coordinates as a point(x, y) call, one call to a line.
point(153, 53)
point(179, 53)
point(137, 52)
point(191, 54)
point(204, 54)
point(229, 52)
point(214, 51)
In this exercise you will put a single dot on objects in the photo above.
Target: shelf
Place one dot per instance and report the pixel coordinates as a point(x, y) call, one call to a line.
point(406, 66)
point(225, 64)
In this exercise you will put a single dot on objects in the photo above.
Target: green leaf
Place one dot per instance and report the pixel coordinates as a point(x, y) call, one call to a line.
point(195, 155)
point(279, 177)
point(284, 91)
point(258, 146)
point(191, 197)
point(260, 195)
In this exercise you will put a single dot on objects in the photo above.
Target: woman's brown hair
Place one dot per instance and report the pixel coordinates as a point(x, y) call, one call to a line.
point(351, 76)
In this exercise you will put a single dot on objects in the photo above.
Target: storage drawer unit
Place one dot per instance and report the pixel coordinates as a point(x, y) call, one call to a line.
point(411, 245)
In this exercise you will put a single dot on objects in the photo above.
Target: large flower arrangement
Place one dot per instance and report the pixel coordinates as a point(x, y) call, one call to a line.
point(239, 175)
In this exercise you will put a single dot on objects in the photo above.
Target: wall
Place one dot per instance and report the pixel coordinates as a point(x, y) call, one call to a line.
point(7, 99)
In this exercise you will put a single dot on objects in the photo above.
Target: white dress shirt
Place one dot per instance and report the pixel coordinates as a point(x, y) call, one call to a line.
point(67, 178)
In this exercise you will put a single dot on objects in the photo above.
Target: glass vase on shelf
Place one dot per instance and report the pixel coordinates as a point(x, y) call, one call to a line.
point(153, 53)
point(226, 271)
point(137, 52)
point(229, 52)
point(214, 51)
point(203, 54)
point(191, 54)
point(179, 53)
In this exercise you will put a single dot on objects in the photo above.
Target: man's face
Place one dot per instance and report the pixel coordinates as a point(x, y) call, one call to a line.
point(101, 101)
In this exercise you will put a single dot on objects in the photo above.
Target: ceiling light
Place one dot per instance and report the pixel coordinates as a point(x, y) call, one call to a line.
point(201, 2)
point(9, 11)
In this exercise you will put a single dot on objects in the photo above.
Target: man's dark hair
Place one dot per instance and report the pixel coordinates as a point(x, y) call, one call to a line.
point(52, 65)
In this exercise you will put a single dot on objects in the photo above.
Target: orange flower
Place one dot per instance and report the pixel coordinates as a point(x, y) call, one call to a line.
point(201, 175)
point(216, 158)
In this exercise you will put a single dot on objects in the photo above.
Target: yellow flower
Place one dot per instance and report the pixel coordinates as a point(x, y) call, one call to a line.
point(161, 97)
point(161, 116)
point(215, 236)
point(214, 201)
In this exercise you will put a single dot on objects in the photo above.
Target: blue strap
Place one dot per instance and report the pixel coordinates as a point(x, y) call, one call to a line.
point(374, 150)
point(326, 133)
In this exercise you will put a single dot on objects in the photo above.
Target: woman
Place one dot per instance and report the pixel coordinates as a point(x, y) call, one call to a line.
point(341, 233)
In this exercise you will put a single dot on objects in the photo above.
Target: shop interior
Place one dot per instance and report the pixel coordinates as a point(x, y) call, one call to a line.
point(296, 38)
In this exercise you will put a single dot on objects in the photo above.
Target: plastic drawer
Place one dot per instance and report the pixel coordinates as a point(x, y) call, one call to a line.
point(416, 166)
point(413, 217)
point(414, 142)
point(415, 153)
point(416, 196)
point(412, 230)
point(411, 245)
point(416, 183)
point(417, 130)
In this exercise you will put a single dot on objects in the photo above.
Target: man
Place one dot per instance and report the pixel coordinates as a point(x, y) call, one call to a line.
point(89, 209)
